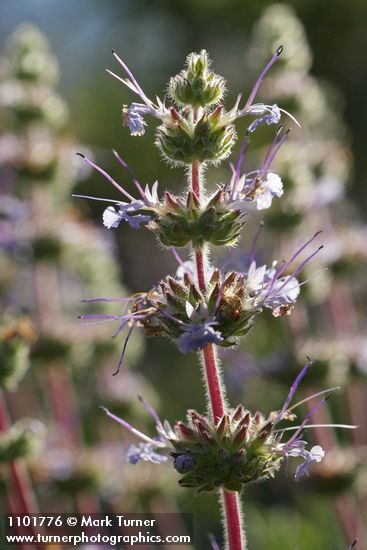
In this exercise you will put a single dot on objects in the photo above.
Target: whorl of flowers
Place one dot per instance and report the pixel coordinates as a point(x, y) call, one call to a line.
point(178, 309)
point(239, 448)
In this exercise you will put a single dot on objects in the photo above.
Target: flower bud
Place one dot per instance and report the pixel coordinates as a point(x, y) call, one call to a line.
point(197, 85)
point(184, 463)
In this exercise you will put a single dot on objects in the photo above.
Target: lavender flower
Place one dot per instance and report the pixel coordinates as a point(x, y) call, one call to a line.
point(297, 449)
point(177, 309)
point(196, 337)
point(271, 187)
point(131, 117)
point(259, 186)
point(268, 114)
point(184, 267)
point(267, 288)
point(113, 215)
point(135, 212)
point(145, 452)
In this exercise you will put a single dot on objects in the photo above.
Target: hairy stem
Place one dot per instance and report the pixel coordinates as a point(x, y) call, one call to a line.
point(231, 505)
point(235, 534)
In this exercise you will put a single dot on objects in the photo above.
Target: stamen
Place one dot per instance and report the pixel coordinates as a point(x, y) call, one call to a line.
point(306, 419)
point(254, 243)
point(131, 428)
point(312, 277)
point(290, 116)
point(131, 174)
point(124, 81)
point(260, 78)
point(242, 154)
point(236, 170)
point(277, 134)
point(270, 160)
point(300, 267)
point(284, 266)
point(293, 390)
point(95, 198)
point(97, 323)
point(134, 315)
point(180, 261)
point(318, 394)
point(151, 411)
point(91, 300)
point(124, 348)
point(119, 329)
point(344, 426)
point(135, 83)
point(107, 176)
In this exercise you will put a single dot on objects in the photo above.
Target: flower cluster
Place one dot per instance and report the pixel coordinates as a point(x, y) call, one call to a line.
point(198, 127)
point(181, 220)
point(178, 309)
point(237, 449)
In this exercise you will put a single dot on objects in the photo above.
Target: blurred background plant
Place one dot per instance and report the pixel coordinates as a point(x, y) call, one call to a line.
point(52, 368)
point(51, 257)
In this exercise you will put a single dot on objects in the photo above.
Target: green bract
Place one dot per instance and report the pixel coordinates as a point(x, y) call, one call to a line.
point(197, 85)
point(238, 450)
point(190, 223)
point(184, 140)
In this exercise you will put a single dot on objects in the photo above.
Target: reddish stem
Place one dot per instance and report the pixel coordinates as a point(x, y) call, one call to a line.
point(24, 503)
point(195, 178)
point(234, 532)
point(215, 390)
point(230, 500)
point(200, 269)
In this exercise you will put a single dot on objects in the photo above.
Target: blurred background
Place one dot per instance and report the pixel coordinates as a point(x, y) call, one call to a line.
point(56, 99)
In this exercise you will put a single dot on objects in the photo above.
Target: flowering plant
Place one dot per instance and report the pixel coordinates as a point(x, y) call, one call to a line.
point(202, 308)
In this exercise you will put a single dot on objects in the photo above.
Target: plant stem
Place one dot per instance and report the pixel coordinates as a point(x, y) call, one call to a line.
point(231, 505)
point(213, 381)
point(235, 536)
point(24, 502)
